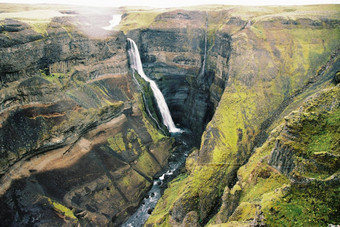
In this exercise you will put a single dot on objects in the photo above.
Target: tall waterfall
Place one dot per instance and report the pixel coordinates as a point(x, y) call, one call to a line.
point(136, 64)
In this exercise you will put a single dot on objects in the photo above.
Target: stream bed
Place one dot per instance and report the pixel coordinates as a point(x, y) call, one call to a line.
point(176, 162)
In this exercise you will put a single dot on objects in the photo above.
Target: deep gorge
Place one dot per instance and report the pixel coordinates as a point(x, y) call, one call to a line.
point(192, 98)
point(255, 90)
point(68, 62)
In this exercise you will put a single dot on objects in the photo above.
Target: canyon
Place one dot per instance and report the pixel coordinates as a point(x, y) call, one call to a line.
point(255, 91)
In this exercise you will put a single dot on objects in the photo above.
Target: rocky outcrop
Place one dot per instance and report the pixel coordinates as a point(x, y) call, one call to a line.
point(25, 52)
point(298, 150)
point(230, 201)
point(282, 158)
point(76, 144)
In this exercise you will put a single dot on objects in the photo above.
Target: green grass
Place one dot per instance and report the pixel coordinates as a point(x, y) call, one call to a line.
point(327, 139)
point(37, 19)
point(138, 20)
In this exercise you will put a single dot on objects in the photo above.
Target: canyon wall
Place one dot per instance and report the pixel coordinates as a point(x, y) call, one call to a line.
point(257, 87)
point(76, 143)
point(274, 60)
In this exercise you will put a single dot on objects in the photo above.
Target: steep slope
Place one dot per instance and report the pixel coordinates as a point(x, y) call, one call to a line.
point(76, 143)
point(293, 178)
point(77, 146)
point(279, 54)
point(180, 53)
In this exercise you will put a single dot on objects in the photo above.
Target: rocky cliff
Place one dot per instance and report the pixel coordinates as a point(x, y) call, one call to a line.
point(76, 143)
point(255, 85)
point(181, 51)
point(269, 60)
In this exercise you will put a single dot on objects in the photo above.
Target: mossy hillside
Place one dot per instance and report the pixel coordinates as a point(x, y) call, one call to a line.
point(315, 205)
point(276, 64)
point(317, 148)
point(247, 101)
point(160, 216)
point(137, 20)
point(282, 201)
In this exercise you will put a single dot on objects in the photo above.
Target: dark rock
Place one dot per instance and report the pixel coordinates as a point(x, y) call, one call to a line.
point(188, 94)
point(191, 220)
point(150, 210)
point(337, 77)
point(282, 159)
point(11, 25)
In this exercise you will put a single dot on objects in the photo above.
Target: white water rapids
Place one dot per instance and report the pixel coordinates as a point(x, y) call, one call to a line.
point(136, 64)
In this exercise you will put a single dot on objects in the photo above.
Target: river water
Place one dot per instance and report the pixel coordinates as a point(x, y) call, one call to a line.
point(176, 162)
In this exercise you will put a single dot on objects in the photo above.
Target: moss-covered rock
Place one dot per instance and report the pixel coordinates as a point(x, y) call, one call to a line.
point(270, 70)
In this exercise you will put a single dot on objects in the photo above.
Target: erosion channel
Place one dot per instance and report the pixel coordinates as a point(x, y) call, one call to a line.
point(184, 142)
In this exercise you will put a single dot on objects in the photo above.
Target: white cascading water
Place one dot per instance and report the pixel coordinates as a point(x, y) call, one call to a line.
point(136, 64)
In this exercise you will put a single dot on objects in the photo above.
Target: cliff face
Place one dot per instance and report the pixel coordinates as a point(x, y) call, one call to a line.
point(76, 143)
point(78, 147)
point(188, 59)
point(277, 59)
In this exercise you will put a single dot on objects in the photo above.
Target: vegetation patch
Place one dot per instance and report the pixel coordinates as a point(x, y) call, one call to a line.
point(315, 205)
point(137, 20)
point(116, 143)
point(62, 210)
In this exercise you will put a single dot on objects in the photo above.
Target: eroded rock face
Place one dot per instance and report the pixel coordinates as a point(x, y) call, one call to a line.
point(282, 158)
point(297, 152)
point(190, 69)
point(25, 52)
point(262, 84)
point(75, 143)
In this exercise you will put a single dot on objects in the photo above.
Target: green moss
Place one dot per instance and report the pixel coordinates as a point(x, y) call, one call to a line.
point(116, 143)
point(326, 139)
point(244, 212)
point(235, 189)
point(62, 209)
point(315, 205)
point(147, 164)
point(262, 185)
point(160, 215)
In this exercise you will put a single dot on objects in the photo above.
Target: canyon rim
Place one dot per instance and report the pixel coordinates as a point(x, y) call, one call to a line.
point(252, 92)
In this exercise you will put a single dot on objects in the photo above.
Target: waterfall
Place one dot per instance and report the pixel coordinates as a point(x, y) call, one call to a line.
point(136, 64)
point(201, 74)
